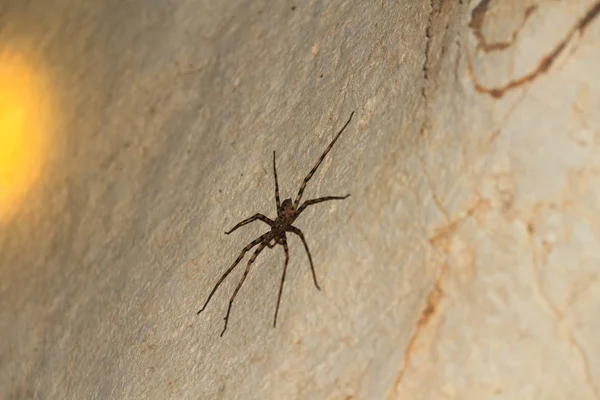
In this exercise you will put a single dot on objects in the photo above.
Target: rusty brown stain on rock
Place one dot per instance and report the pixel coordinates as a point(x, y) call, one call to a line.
point(430, 310)
point(440, 240)
point(477, 19)
point(442, 235)
point(433, 300)
point(531, 228)
point(543, 66)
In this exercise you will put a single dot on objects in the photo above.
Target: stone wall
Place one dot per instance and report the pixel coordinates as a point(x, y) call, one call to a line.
point(464, 265)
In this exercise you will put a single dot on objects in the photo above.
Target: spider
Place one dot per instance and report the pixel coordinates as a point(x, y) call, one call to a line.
point(287, 212)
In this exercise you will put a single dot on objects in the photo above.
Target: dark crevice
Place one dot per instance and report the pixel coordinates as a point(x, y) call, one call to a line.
point(433, 8)
point(427, 48)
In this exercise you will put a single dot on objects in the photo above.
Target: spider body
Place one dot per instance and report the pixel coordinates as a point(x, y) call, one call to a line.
point(287, 212)
point(286, 215)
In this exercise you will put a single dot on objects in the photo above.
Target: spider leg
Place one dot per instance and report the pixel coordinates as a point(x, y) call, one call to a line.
point(312, 171)
point(277, 201)
point(298, 232)
point(244, 251)
point(250, 261)
point(271, 245)
point(287, 258)
point(251, 219)
point(319, 200)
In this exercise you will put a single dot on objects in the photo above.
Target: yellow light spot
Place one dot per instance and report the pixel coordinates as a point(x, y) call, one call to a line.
point(23, 118)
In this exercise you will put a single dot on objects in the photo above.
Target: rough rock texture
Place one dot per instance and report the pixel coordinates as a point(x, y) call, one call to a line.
point(465, 264)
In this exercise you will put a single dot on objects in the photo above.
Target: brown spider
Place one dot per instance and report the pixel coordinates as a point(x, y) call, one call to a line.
point(287, 212)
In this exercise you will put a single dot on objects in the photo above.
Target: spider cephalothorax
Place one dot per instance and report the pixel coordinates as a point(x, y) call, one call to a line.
point(287, 212)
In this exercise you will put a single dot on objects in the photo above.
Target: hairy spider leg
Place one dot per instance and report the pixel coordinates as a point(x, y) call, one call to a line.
point(262, 217)
point(250, 261)
point(312, 171)
point(244, 251)
point(298, 232)
point(277, 201)
point(287, 259)
point(319, 200)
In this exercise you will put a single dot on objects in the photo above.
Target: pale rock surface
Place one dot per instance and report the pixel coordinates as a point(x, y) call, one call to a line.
point(465, 264)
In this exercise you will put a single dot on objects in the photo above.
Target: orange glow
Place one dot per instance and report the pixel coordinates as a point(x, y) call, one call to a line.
point(23, 130)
